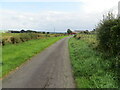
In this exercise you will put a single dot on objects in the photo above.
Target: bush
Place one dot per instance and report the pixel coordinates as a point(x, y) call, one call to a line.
point(77, 36)
point(3, 42)
point(13, 38)
point(109, 35)
point(19, 38)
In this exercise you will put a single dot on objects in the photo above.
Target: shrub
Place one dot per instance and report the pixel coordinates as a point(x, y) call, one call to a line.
point(108, 32)
point(22, 37)
point(3, 42)
point(77, 36)
point(115, 38)
point(15, 40)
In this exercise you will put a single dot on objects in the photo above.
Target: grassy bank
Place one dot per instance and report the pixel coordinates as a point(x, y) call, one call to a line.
point(90, 69)
point(16, 54)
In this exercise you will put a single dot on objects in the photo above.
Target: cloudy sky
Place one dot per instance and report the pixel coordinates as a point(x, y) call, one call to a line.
point(45, 15)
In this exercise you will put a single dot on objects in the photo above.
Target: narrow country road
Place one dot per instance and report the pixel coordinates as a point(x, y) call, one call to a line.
point(49, 69)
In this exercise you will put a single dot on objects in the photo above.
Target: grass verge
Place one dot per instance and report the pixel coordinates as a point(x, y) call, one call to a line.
point(16, 54)
point(89, 68)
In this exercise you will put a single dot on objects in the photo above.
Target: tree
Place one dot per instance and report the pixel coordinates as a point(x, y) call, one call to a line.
point(48, 32)
point(30, 31)
point(108, 33)
point(69, 31)
point(43, 32)
point(22, 31)
point(86, 32)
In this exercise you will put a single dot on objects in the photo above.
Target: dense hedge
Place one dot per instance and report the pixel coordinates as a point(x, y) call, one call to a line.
point(108, 32)
point(22, 37)
point(19, 38)
point(109, 35)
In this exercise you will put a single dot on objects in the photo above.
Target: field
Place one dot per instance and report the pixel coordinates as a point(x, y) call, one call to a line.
point(90, 68)
point(14, 55)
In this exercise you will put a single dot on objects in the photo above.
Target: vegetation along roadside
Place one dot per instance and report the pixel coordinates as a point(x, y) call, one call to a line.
point(95, 57)
point(16, 54)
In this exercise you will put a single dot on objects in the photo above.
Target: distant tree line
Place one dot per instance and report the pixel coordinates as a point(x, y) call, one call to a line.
point(28, 31)
point(31, 31)
point(23, 31)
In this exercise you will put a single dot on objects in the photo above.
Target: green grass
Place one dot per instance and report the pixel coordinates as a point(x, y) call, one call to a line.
point(15, 55)
point(89, 68)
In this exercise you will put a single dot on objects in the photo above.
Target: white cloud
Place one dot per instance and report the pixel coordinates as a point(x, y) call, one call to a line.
point(99, 5)
point(47, 20)
point(87, 18)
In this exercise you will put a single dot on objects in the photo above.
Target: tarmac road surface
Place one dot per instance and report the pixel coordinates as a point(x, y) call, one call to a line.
point(49, 69)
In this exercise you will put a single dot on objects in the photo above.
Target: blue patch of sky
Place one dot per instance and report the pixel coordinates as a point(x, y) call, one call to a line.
point(41, 6)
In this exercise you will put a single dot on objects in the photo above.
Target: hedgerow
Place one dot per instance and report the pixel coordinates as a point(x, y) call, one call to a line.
point(23, 37)
point(109, 35)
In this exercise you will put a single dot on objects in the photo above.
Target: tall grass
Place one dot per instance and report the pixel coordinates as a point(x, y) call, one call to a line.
point(90, 69)
point(16, 54)
point(14, 38)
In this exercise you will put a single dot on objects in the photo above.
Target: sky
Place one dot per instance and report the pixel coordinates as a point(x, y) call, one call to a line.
point(47, 15)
